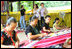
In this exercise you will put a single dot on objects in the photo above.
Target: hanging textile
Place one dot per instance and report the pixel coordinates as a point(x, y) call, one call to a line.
point(2, 6)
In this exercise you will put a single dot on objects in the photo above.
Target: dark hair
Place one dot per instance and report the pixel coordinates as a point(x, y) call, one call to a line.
point(21, 6)
point(55, 20)
point(36, 6)
point(12, 19)
point(33, 18)
point(47, 16)
point(42, 3)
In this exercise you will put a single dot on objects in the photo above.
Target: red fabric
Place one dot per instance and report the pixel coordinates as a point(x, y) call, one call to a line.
point(2, 37)
point(54, 40)
point(46, 42)
point(2, 5)
point(47, 45)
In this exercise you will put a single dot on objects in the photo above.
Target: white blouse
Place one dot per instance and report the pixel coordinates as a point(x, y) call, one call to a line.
point(36, 12)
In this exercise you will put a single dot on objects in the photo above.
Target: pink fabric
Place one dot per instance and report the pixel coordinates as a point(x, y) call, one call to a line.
point(54, 40)
point(18, 31)
point(49, 41)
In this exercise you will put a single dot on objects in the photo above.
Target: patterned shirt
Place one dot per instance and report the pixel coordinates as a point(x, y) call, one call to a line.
point(7, 39)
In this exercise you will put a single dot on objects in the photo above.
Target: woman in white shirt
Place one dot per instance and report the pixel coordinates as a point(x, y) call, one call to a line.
point(36, 13)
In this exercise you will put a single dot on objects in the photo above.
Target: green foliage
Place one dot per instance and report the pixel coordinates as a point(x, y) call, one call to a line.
point(28, 5)
point(54, 3)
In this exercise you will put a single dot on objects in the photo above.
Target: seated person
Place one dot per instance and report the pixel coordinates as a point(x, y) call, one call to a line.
point(67, 43)
point(9, 37)
point(56, 27)
point(45, 26)
point(31, 32)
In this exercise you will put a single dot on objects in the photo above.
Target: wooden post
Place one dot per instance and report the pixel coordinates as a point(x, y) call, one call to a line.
point(18, 5)
point(7, 9)
point(33, 4)
point(11, 7)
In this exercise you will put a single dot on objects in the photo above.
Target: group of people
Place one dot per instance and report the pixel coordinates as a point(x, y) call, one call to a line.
point(9, 37)
point(39, 13)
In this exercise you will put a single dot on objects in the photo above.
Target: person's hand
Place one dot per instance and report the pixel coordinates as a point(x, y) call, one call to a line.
point(43, 34)
point(16, 45)
point(49, 31)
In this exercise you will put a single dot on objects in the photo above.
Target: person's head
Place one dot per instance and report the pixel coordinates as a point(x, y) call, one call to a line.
point(47, 19)
point(36, 6)
point(22, 6)
point(67, 43)
point(34, 20)
point(42, 4)
point(12, 23)
point(56, 20)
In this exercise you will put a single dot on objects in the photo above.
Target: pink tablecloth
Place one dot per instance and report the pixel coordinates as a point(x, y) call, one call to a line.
point(52, 41)
point(49, 41)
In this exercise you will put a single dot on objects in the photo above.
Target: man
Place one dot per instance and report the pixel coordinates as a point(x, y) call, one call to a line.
point(31, 31)
point(45, 26)
point(23, 26)
point(9, 37)
point(43, 12)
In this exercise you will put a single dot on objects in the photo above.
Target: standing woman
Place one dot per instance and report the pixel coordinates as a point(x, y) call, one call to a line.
point(22, 18)
point(36, 13)
point(9, 37)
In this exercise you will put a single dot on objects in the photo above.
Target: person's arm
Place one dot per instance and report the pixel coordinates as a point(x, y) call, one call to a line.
point(44, 29)
point(58, 27)
point(46, 11)
point(6, 46)
point(30, 36)
point(17, 43)
point(35, 12)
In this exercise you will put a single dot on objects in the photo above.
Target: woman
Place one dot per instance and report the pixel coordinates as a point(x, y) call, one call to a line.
point(9, 37)
point(36, 13)
point(22, 18)
point(56, 27)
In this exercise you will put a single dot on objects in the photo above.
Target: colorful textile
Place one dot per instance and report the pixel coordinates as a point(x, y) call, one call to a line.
point(7, 39)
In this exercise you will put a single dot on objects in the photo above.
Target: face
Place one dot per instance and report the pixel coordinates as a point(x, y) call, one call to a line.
point(34, 6)
point(42, 5)
point(47, 19)
point(57, 21)
point(12, 26)
point(35, 22)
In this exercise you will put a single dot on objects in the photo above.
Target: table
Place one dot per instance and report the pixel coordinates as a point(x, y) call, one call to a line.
point(59, 38)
